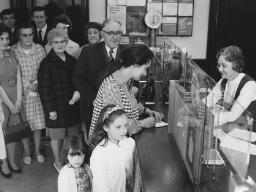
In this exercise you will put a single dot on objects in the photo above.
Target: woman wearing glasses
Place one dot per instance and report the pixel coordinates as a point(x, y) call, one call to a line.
point(64, 23)
point(235, 91)
point(30, 56)
point(57, 92)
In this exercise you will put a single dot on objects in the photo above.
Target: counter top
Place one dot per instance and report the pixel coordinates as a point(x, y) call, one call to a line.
point(162, 167)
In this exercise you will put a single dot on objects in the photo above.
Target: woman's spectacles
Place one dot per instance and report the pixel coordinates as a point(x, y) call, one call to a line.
point(113, 33)
point(78, 153)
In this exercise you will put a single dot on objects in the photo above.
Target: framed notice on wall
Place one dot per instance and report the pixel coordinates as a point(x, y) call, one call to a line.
point(177, 16)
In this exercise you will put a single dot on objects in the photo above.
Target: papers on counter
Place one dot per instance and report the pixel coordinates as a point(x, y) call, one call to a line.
point(161, 124)
point(236, 140)
point(243, 134)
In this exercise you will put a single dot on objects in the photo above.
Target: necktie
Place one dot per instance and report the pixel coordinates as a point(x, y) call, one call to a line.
point(40, 38)
point(110, 55)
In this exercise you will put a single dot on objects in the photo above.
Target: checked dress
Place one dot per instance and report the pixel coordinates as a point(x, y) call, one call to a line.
point(113, 92)
point(30, 63)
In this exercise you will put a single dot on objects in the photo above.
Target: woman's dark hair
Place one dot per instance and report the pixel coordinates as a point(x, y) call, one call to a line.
point(75, 143)
point(25, 25)
point(63, 19)
point(5, 29)
point(100, 132)
point(138, 54)
point(233, 54)
point(89, 25)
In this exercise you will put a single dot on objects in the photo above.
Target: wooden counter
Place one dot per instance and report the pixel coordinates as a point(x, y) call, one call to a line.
point(162, 167)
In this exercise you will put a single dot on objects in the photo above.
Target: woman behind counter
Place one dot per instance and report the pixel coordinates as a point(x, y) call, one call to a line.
point(235, 91)
point(134, 62)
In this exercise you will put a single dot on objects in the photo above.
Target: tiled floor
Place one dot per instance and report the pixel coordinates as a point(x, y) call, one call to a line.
point(36, 177)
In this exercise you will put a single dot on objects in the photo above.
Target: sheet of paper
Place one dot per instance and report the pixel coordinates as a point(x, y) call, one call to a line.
point(161, 124)
point(243, 134)
point(238, 145)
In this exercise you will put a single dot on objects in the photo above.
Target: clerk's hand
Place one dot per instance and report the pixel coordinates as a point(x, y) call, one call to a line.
point(53, 115)
point(148, 122)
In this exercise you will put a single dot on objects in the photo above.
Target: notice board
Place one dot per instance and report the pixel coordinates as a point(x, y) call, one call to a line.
point(177, 16)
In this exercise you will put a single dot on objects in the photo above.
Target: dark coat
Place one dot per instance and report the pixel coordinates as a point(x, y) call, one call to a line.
point(91, 66)
point(56, 89)
point(44, 41)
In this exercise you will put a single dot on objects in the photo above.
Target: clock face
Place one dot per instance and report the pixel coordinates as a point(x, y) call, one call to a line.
point(153, 19)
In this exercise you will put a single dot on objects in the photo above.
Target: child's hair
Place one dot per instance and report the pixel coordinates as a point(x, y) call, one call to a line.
point(107, 116)
point(75, 143)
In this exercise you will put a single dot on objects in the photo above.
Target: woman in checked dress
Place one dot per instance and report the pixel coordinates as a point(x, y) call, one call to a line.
point(30, 56)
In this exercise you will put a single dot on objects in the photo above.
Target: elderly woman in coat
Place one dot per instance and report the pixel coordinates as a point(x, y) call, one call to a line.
point(57, 92)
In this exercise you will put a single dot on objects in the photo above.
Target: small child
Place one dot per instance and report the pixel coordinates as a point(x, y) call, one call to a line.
point(113, 162)
point(75, 176)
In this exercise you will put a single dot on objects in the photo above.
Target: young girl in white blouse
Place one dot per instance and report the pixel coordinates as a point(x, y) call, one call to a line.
point(113, 161)
point(76, 175)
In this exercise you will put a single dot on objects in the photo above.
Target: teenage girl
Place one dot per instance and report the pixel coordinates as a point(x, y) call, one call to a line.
point(113, 162)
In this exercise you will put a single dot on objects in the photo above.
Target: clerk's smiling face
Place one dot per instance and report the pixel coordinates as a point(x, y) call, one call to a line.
point(226, 68)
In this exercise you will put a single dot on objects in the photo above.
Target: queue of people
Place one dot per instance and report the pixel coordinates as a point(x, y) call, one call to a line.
point(55, 84)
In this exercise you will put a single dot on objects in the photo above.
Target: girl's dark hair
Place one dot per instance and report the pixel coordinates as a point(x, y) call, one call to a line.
point(233, 54)
point(89, 25)
point(75, 143)
point(63, 19)
point(138, 54)
point(5, 29)
point(25, 25)
point(100, 132)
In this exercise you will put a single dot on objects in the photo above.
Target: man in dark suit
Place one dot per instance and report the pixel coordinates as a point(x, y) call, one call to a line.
point(39, 16)
point(92, 64)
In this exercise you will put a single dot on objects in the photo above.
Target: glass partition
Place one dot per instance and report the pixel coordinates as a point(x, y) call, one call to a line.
point(213, 150)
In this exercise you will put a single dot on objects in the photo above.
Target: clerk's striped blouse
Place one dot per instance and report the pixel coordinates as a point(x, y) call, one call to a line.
point(112, 92)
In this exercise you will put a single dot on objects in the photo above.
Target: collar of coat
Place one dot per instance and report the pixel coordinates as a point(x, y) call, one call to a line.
point(55, 58)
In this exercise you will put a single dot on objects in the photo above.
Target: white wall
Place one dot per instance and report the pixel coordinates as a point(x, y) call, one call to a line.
point(195, 45)
point(4, 4)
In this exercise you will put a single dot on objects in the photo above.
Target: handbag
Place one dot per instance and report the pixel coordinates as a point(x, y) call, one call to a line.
point(17, 131)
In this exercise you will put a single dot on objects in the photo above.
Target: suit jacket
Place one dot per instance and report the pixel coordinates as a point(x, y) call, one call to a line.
point(92, 64)
point(36, 39)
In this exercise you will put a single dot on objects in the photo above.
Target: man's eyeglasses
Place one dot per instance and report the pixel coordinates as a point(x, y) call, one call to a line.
point(78, 153)
point(27, 35)
point(113, 33)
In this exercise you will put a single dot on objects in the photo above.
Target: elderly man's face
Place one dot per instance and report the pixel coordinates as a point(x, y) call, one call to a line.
point(111, 34)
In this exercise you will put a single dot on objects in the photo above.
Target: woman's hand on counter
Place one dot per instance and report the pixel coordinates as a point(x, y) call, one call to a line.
point(158, 116)
point(148, 122)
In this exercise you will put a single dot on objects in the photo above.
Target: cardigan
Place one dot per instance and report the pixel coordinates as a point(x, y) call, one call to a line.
point(112, 166)
point(246, 97)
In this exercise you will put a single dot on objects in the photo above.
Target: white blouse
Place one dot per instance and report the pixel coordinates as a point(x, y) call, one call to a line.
point(246, 96)
point(110, 165)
